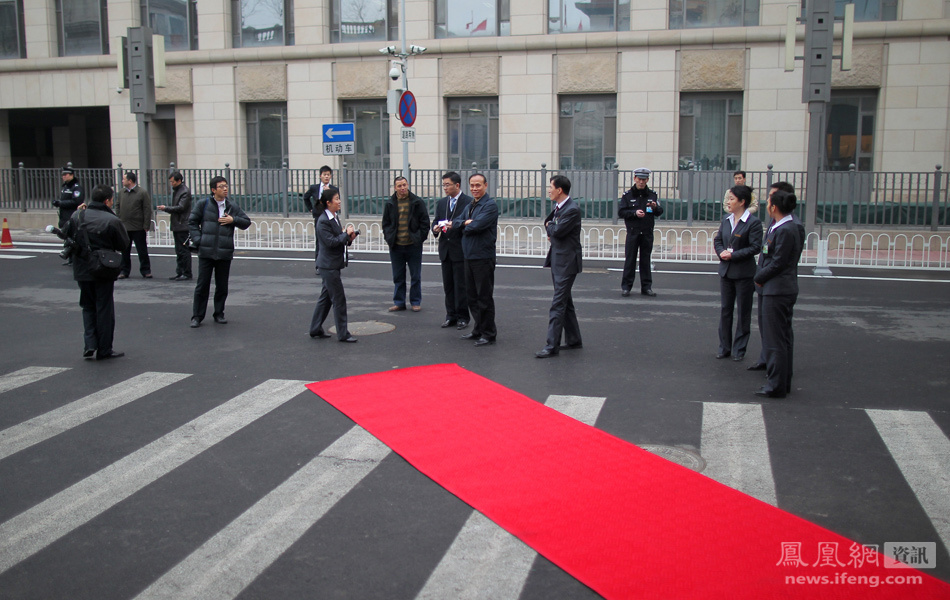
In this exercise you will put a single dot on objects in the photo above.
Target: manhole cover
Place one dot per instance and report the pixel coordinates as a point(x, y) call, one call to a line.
point(690, 460)
point(367, 328)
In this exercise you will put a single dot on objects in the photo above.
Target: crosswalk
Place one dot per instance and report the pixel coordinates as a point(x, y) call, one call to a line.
point(482, 561)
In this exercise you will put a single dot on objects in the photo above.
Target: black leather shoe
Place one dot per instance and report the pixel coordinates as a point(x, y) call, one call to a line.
point(624, 293)
point(484, 341)
point(449, 323)
point(112, 354)
point(546, 352)
point(462, 324)
point(322, 335)
point(122, 276)
point(470, 336)
point(174, 278)
point(648, 292)
point(756, 366)
point(723, 355)
point(88, 353)
point(349, 339)
point(576, 346)
point(769, 393)
point(195, 323)
point(220, 320)
point(738, 357)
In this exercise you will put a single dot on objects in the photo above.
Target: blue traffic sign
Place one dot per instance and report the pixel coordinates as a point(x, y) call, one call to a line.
point(407, 108)
point(339, 132)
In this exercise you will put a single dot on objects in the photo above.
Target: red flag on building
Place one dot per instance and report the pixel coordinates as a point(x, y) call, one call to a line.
point(483, 26)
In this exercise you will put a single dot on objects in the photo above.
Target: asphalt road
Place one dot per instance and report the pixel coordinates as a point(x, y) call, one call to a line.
point(871, 350)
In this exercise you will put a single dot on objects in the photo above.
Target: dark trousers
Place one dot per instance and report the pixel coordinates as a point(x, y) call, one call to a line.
point(480, 285)
point(453, 284)
point(140, 239)
point(331, 295)
point(316, 251)
point(642, 243)
point(221, 270)
point(778, 341)
point(98, 315)
point(411, 257)
point(182, 254)
point(735, 293)
point(562, 318)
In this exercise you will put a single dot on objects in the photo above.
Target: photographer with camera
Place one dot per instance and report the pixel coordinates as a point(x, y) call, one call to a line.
point(92, 230)
point(333, 240)
point(70, 197)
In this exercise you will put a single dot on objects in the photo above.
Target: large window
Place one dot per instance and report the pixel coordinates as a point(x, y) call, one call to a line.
point(710, 131)
point(266, 135)
point(263, 23)
point(364, 20)
point(713, 13)
point(473, 133)
point(849, 136)
point(463, 18)
point(587, 136)
point(590, 15)
point(864, 10)
point(176, 20)
point(82, 27)
point(12, 41)
point(372, 133)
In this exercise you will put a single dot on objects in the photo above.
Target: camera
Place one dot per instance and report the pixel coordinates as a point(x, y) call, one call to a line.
point(70, 247)
point(395, 71)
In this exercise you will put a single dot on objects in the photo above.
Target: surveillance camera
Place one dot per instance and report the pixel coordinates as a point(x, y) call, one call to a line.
point(388, 50)
point(417, 49)
point(119, 90)
point(395, 71)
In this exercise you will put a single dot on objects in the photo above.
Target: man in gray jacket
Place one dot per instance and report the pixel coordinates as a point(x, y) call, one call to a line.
point(212, 224)
point(180, 210)
point(134, 206)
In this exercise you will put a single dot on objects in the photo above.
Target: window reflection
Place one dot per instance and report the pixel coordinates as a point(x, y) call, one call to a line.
point(263, 23)
point(462, 18)
point(364, 20)
point(570, 16)
point(713, 13)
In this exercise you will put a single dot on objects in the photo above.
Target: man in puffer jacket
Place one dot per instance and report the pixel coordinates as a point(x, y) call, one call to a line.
point(212, 226)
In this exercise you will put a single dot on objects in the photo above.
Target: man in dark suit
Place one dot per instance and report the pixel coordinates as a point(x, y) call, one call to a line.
point(311, 200)
point(737, 242)
point(777, 278)
point(782, 186)
point(450, 250)
point(479, 227)
point(563, 226)
point(333, 240)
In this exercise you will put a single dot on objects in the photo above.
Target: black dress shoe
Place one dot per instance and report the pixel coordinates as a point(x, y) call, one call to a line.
point(88, 353)
point(723, 355)
point(576, 346)
point(112, 354)
point(220, 320)
point(462, 324)
point(195, 323)
point(449, 323)
point(756, 366)
point(122, 276)
point(546, 352)
point(322, 335)
point(648, 292)
point(765, 393)
point(470, 336)
point(484, 341)
point(174, 278)
point(624, 293)
point(349, 339)
point(738, 357)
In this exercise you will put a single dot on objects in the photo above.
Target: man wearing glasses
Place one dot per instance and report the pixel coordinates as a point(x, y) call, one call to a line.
point(450, 250)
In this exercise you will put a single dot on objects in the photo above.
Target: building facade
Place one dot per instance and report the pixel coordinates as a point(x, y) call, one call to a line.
point(571, 84)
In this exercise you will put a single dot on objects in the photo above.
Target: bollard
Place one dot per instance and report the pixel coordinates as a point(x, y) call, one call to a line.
point(821, 268)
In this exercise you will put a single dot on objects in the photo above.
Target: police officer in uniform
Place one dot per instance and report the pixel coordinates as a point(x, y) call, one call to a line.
point(70, 198)
point(639, 206)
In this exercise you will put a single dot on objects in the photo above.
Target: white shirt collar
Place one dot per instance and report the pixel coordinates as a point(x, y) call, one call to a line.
point(330, 214)
point(780, 222)
point(745, 217)
point(561, 203)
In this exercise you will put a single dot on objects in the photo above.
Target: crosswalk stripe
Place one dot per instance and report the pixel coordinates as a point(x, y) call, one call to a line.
point(34, 529)
point(484, 560)
point(922, 452)
point(26, 376)
point(227, 563)
point(736, 449)
point(45, 426)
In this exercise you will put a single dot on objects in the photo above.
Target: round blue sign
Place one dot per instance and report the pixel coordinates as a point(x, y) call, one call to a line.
point(407, 108)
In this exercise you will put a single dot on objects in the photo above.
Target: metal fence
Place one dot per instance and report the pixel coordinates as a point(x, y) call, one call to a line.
point(845, 199)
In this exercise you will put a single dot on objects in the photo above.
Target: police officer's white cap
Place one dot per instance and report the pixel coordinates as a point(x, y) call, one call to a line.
point(641, 173)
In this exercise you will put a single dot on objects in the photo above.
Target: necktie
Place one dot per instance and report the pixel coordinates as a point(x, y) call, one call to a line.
point(451, 206)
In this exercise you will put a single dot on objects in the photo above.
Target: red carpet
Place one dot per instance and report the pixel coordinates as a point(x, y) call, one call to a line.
point(621, 520)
